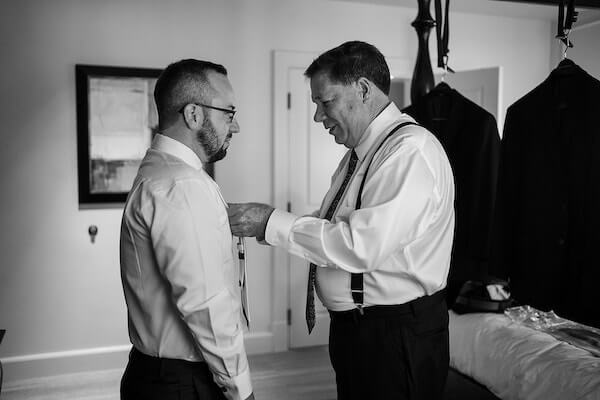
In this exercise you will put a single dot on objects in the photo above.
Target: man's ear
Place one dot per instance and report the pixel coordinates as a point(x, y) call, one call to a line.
point(193, 116)
point(365, 88)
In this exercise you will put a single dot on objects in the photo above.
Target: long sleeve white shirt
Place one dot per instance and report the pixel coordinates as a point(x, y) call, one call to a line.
point(400, 238)
point(178, 270)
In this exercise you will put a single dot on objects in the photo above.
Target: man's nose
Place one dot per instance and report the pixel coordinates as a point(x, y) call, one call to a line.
point(319, 115)
point(234, 127)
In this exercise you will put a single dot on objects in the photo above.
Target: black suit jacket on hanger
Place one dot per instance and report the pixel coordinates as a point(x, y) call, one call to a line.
point(470, 138)
point(548, 224)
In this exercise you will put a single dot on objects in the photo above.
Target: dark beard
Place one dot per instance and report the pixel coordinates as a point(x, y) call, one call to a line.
point(219, 155)
point(208, 139)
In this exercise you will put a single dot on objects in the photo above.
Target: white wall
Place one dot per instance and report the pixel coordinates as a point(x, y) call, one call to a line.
point(60, 296)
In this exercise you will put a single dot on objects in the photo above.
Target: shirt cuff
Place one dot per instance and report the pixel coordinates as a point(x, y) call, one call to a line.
point(236, 388)
point(278, 228)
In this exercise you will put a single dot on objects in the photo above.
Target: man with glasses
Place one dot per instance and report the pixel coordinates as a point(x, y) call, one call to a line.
point(177, 266)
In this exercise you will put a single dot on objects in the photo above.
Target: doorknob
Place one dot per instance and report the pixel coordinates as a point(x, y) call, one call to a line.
point(93, 231)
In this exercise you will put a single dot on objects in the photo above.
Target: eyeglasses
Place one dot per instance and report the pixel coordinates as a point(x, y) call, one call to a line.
point(229, 111)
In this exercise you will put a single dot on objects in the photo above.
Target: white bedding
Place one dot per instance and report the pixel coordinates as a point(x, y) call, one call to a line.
point(517, 362)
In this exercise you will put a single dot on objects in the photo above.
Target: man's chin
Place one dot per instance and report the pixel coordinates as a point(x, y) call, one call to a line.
point(219, 155)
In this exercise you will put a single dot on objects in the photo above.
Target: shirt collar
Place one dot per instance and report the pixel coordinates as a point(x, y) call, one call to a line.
point(177, 149)
point(382, 124)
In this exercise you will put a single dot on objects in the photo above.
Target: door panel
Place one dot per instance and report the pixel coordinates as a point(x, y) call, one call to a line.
point(313, 157)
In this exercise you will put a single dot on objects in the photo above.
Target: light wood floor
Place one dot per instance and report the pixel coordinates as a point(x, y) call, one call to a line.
point(292, 375)
point(304, 374)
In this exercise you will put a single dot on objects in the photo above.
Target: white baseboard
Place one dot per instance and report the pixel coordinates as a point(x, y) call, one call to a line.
point(35, 366)
point(258, 342)
point(280, 335)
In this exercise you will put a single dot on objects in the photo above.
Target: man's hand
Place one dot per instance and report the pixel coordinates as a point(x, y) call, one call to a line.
point(249, 219)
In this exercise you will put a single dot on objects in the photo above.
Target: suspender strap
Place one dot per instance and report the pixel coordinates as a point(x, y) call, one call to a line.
point(356, 280)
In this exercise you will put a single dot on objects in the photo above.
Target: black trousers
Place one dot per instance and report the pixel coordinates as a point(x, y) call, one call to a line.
point(152, 378)
point(391, 352)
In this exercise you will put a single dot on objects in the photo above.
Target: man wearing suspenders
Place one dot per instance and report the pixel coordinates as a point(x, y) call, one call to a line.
point(379, 247)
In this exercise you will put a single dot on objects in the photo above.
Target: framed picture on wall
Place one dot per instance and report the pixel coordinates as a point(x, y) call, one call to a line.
point(116, 121)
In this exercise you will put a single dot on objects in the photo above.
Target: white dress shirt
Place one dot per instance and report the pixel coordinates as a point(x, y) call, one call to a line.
point(178, 270)
point(400, 238)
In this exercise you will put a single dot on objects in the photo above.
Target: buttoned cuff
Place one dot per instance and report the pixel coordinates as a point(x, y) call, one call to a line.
point(235, 388)
point(278, 229)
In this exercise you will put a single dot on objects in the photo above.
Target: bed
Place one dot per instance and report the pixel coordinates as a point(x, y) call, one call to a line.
point(514, 361)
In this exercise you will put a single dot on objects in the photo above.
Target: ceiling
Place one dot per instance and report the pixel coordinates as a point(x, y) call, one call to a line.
point(498, 8)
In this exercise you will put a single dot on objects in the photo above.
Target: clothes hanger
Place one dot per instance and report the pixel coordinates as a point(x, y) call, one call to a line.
point(566, 66)
point(440, 96)
point(442, 88)
point(566, 63)
point(442, 31)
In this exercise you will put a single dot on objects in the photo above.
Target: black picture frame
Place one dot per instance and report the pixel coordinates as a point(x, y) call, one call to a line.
point(116, 120)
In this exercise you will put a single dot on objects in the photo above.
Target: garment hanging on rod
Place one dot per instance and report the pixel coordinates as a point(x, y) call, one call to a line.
point(547, 227)
point(469, 135)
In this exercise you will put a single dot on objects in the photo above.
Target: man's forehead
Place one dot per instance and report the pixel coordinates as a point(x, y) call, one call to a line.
point(218, 81)
point(221, 86)
point(322, 86)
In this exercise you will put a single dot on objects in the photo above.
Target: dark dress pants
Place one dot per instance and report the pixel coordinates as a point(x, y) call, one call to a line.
point(152, 378)
point(391, 352)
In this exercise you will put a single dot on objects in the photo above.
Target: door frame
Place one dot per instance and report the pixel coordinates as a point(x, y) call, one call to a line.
point(282, 62)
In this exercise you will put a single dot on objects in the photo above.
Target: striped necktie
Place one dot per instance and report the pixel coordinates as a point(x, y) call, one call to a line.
point(312, 274)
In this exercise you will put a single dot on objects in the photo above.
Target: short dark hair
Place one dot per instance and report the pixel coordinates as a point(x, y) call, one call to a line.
point(183, 82)
point(350, 61)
